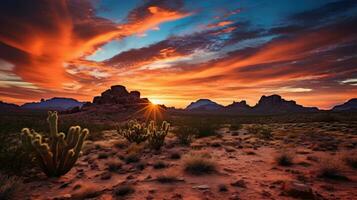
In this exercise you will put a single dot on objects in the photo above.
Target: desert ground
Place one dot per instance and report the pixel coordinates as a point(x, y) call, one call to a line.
point(315, 160)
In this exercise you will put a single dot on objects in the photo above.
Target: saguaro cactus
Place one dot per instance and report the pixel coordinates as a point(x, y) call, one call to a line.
point(157, 134)
point(58, 153)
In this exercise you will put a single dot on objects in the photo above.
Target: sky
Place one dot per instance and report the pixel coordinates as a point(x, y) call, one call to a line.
point(177, 51)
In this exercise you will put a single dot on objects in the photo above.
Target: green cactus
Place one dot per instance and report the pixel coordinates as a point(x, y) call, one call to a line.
point(157, 135)
point(133, 131)
point(58, 153)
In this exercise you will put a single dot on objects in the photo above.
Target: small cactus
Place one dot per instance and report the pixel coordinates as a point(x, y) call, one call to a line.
point(133, 131)
point(58, 153)
point(157, 135)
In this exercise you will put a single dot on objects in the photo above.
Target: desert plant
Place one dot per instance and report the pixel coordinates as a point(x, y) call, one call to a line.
point(58, 153)
point(9, 186)
point(134, 131)
point(331, 169)
point(123, 190)
point(260, 131)
point(185, 134)
point(235, 126)
point(284, 158)
point(156, 135)
point(199, 165)
point(351, 159)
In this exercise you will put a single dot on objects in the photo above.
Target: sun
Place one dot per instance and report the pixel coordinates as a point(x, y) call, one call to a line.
point(156, 101)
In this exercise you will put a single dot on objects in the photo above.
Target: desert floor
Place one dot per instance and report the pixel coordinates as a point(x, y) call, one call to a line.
point(246, 167)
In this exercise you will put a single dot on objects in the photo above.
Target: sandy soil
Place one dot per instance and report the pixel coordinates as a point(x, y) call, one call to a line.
point(246, 167)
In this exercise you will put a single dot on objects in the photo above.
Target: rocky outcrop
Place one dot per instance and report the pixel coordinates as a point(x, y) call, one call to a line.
point(273, 104)
point(241, 106)
point(347, 106)
point(204, 104)
point(276, 104)
point(117, 98)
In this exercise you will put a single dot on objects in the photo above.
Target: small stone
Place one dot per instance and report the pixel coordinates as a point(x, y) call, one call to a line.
point(239, 183)
point(202, 187)
point(298, 190)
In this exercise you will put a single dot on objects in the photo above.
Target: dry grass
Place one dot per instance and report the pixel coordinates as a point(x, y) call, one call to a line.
point(351, 159)
point(123, 190)
point(199, 165)
point(114, 165)
point(285, 158)
point(9, 186)
point(331, 168)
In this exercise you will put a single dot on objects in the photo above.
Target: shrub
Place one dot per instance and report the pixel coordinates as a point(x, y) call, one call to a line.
point(175, 155)
point(134, 131)
point(284, 159)
point(261, 131)
point(235, 126)
point(185, 134)
point(159, 165)
point(114, 165)
point(156, 135)
point(13, 156)
point(124, 190)
point(351, 160)
point(132, 158)
point(199, 165)
point(167, 179)
point(331, 169)
point(57, 154)
point(9, 186)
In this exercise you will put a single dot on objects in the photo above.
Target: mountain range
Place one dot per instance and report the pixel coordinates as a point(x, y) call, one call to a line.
point(118, 98)
point(273, 104)
point(56, 103)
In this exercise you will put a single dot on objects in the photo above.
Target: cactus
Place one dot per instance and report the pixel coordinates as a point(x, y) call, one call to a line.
point(133, 131)
point(157, 135)
point(58, 153)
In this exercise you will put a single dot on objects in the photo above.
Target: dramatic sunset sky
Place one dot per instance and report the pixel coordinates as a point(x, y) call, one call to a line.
point(177, 51)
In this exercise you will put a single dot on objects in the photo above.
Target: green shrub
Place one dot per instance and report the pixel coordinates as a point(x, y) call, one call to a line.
point(134, 131)
point(57, 154)
point(185, 134)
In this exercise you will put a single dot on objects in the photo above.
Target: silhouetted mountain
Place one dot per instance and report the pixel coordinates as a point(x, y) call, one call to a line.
point(241, 106)
point(8, 106)
point(116, 99)
point(204, 104)
point(56, 103)
point(349, 105)
point(275, 104)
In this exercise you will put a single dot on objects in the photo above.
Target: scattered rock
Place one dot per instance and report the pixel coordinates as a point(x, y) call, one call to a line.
point(298, 190)
point(239, 183)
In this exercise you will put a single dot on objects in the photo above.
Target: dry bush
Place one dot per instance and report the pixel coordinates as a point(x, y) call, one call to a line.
point(351, 159)
point(167, 179)
point(331, 168)
point(114, 165)
point(9, 186)
point(123, 190)
point(285, 158)
point(199, 165)
point(185, 134)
